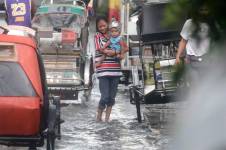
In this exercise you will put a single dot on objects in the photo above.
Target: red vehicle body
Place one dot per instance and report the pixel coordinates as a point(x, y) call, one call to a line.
point(27, 114)
point(21, 115)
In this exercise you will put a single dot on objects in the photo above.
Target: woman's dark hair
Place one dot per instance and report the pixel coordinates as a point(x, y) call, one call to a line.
point(100, 18)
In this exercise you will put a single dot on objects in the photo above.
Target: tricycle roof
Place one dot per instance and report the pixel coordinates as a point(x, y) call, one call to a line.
point(61, 8)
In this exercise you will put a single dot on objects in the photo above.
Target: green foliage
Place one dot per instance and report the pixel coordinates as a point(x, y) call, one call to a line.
point(175, 13)
point(211, 11)
point(102, 8)
point(216, 18)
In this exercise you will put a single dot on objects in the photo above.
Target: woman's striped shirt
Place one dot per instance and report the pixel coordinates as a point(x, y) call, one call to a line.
point(110, 66)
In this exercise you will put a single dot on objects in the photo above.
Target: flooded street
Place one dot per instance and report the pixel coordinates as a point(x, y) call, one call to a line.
point(170, 55)
point(81, 131)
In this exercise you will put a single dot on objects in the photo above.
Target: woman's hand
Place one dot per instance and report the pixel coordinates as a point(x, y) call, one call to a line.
point(178, 60)
point(109, 52)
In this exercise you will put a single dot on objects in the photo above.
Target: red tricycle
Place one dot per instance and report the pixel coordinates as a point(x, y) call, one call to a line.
point(28, 115)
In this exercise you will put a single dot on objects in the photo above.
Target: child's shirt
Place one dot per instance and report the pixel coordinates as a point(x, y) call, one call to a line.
point(115, 43)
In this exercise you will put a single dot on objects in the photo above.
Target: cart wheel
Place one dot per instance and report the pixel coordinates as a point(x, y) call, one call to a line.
point(138, 110)
point(50, 142)
point(137, 102)
point(58, 118)
point(53, 123)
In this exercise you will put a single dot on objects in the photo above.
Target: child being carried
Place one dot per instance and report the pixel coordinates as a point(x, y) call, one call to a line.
point(115, 42)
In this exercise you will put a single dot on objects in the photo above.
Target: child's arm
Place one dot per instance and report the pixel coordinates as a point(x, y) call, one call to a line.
point(124, 46)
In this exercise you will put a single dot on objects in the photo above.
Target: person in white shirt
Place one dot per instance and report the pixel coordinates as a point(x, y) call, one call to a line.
point(196, 44)
point(196, 40)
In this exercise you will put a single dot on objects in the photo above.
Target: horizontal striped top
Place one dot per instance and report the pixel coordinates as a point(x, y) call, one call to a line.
point(110, 66)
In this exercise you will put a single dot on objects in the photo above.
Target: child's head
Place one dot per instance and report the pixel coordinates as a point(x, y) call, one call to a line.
point(114, 28)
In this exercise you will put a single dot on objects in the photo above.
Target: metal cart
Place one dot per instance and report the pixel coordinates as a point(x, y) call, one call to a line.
point(152, 75)
point(62, 34)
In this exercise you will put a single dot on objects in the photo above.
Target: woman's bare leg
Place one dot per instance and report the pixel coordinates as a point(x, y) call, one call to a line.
point(99, 114)
point(108, 113)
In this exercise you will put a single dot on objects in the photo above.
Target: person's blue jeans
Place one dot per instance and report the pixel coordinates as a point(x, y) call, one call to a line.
point(108, 88)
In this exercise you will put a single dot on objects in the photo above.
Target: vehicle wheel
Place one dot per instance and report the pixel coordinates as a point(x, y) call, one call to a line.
point(137, 99)
point(53, 123)
point(58, 118)
point(56, 128)
point(131, 95)
point(138, 110)
point(50, 142)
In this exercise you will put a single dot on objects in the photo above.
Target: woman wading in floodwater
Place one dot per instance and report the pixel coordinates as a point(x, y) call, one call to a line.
point(109, 71)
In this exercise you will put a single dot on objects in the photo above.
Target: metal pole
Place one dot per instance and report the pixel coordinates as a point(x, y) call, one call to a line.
point(141, 57)
point(127, 35)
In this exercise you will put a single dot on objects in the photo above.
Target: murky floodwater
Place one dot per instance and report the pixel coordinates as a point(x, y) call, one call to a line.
point(81, 132)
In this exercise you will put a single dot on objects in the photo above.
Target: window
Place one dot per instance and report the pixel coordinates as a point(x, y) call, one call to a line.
point(13, 81)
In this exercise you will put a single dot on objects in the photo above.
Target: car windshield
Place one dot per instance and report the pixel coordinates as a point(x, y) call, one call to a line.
point(13, 81)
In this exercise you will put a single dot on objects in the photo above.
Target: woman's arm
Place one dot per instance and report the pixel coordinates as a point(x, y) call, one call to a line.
point(180, 50)
point(124, 49)
point(98, 47)
point(105, 47)
point(97, 44)
point(110, 52)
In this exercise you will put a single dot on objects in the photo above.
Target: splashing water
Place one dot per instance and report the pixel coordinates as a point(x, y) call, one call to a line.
point(202, 125)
